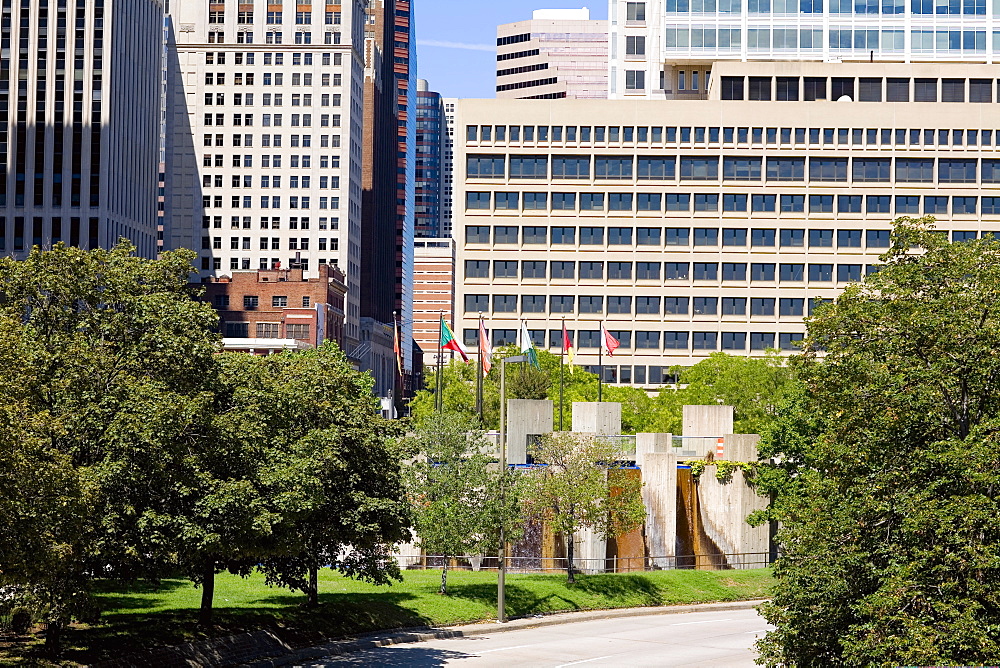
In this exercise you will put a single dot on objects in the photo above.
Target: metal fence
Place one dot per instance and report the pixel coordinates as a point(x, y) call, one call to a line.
point(737, 561)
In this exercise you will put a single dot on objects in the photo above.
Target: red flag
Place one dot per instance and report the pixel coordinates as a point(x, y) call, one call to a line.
point(397, 349)
point(610, 343)
point(567, 344)
point(485, 349)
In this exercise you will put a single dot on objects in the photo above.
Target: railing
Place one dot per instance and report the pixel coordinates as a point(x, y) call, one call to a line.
point(733, 561)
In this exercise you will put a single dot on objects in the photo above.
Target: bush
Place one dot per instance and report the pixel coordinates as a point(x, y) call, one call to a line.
point(20, 620)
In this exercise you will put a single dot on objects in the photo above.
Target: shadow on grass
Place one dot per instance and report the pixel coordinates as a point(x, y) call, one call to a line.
point(139, 595)
point(633, 589)
point(337, 615)
point(520, 600)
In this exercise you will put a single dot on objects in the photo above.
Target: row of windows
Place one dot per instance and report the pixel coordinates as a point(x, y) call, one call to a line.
point(246, 120)
point(248, 57)
point(253, 301)
point(248, 78)
point(267, 140)
point(268, 202)
point(236, 263)
point(890, 7)
point(267, 330)
point(266, 243)
point(270, 222)
point(683, 236)
point(326, 99)
point(732, 202)
point(218, 36)
point(273, 17)
point(267, 161)
point(584, 339)
point(863, 89)
point(734, 168)
point(735, 306)
point(710, 135)
point(657, 271)
point(246, 181)
point(838, 38)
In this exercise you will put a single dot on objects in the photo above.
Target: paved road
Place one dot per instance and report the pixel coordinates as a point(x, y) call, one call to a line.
point(722, 638)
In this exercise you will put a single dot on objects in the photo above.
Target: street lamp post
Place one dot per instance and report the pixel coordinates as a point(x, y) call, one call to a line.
point(502, 570)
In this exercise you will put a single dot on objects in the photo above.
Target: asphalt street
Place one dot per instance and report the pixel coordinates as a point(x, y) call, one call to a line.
point(720, 638)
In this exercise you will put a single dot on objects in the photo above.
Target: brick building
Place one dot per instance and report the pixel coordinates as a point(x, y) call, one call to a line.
point(275, 309)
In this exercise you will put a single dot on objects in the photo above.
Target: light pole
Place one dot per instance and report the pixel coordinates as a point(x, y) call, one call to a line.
point(502, 570)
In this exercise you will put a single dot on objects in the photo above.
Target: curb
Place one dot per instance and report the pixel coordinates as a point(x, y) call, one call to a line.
point(423, 634)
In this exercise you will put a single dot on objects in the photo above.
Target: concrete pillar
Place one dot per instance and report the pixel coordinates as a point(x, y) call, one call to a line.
point(724, 507)
point(603, 418)
point(707, 420)
point(741, 447)
point(526, 418)
point(591, 551)
point(659, 495)
point(646, 443)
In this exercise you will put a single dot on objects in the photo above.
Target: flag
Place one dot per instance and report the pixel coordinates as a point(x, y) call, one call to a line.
point(397, 349)
point(485, 349)
point(567, 344)
point(527, 347)
point(449, 342)
point(610, 342)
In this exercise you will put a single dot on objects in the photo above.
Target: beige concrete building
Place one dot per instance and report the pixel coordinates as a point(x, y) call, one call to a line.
point(559, 53)
point(690, 227)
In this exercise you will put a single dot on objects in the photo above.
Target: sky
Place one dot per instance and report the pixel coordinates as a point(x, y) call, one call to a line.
point(456, 39)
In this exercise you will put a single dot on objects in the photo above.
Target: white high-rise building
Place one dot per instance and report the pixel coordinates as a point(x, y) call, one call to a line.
point(79, 123)
point(559, 53)
point(663, 48)
point(264, 128)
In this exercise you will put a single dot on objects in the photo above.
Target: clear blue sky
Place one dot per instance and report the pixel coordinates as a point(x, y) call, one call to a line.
point(456, 39)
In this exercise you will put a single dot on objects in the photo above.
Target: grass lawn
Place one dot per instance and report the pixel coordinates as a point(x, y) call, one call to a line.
point(146, 616)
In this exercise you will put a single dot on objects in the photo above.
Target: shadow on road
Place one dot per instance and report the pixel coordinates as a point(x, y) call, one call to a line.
point(415, 657)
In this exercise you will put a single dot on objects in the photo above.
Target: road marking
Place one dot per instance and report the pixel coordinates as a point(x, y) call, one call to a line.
point(574, 663)
point(761, 631)
point(707, 621)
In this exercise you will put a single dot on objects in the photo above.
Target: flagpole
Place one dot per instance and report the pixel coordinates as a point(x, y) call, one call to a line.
point(479, 375)
point(600, 362)
point(439, 399)
point(562, 373)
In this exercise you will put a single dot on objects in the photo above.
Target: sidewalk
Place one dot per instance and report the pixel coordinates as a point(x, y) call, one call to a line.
point(347, 646)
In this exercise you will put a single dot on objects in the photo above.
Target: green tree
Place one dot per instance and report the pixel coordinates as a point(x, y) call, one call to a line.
point(891, 484)
point(574, 487)
point(324, 464)
point(461, 497)
point(107, 362)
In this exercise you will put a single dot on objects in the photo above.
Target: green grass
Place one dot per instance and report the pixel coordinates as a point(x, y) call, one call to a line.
point(150, 615)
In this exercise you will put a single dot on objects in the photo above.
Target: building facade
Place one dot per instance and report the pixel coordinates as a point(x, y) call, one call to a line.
point(263, 139)
point(433, 293)
point(448, 167)
point(429, 162)
point(711, 225)
point(80, 126)
point(278, 309)
point(664, 48)
point(559, 53)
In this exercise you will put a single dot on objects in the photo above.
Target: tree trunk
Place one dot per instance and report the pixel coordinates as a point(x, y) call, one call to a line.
point(569, 559)
point(207, 592)
point(53, 637)
point(313, 588)
point(444, 578)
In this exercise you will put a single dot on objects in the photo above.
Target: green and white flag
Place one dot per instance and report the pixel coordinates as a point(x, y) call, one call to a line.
point(527, 347)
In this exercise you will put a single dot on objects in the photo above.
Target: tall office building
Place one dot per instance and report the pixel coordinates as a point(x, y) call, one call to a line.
point(429, 162)
point(263, 142)
point(559, 53)
point(448, 167)
point(664, 48)
point(389, 186)
point(80, 126)
point(690, 227)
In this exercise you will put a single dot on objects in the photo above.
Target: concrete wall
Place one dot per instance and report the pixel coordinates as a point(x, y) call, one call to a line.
point(524, 417)
point(648, 443)
point(741, 447)
point(659, 495)
point(598, 417)
point(707, 420)
point(723, 508)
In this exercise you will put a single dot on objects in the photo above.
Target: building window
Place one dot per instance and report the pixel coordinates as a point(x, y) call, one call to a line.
point(565, 269)
point(561, 303)
point(591, 304)
point(251, 301)
point(734, 306)
point(635, 80)
point(504, 303)
point(820, 273)
point(618, 305)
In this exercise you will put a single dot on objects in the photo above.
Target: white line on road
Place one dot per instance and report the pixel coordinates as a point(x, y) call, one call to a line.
point(500, 649)
point(707, 621)
point(574, 663)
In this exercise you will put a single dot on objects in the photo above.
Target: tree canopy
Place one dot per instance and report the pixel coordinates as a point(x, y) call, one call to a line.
point(887, 479)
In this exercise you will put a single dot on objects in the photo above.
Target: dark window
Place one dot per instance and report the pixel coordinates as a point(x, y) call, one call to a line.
point(699, 169)
point(570, 167)
point(741, 169)
point(564, 202)
point(763, 203)
point(734, 271)
point(675, 305)
point(592, 236)
point(704, 236)
point(734, 340)
point(814, 88)
point(872, 170)
point(619, 201)
point(477, 268)
point(762, 271)
point(507, 201)
point(561, 303)
point(647, 270)
point(505, 269)
point(820, 238)
point(592, 270)
point(706, 305)
point(477, 234)
point(786, 169)
point(849, 238)
point(706, 271)
point(477, 200)
point(732, 88)
point(762, 238)
point(915, 170)
point(563, 235)
point(614, 167)
point(477, 303)
point(953, 90)
point(647, 305)
point(787, 89)
point(877, 238)
point(956, 171)
point(536, 202)
point(820, 273)
point(935, 205)
point(648, 236)
point(620, 236)
point(658, 169)
point(907, 204)
point(789, 341)
point(675, 270)
point(791, 306)
point(991, 206)
point(647, 340)
point(980, 90)
point(677, 236)
point(591, 304)
point(620, 270)
point(533, 303)
point(734, 237)
point(706, 202)
point(963, 205)
point(849, 203)
point(536, 235)
point(678, 202)
point(505, 235)
point(534, 269)
point(828, 169)
point(529, 166)
point(793, 203)
point(762, 306)
point(848, 273)
point(704, 340)
point(791, 272)
point(734, 202)
point(897, 90)
point(878, 203)
point(673, 341)
point(485, 166)
point(869, 89)
point(960, 236)
point(991, 170)
point(761, 341)
point(504, 303)
point(649, 202)
point(734, 306)
point(793, 238)
point(925, 90)
point(619, 304)
point(592, 201)
point(760, 88)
